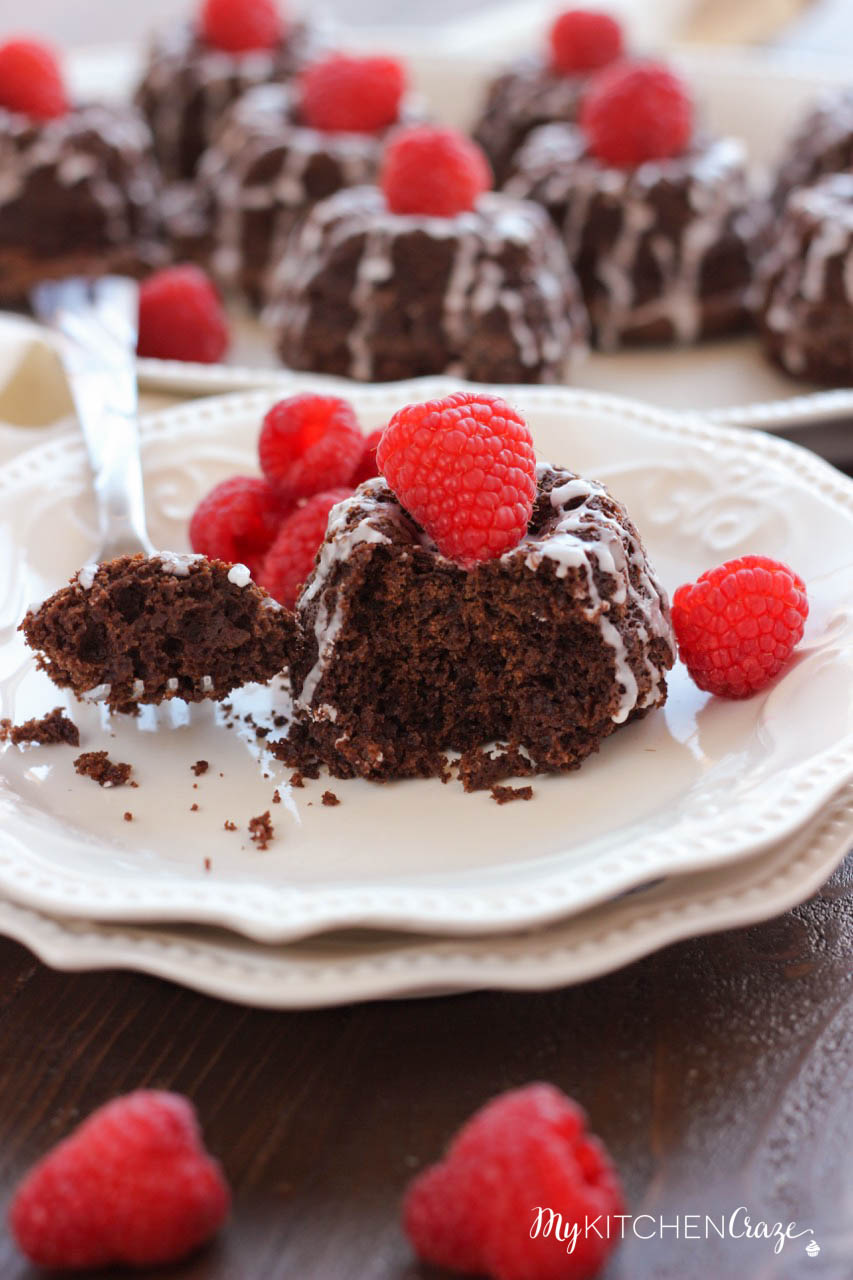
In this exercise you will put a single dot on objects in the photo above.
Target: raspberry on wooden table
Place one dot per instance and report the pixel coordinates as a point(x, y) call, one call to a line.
point(352, 95)
point(132, 1185)
point(239, 26)
point(636, 111)
point(238, 521)
point(584, 40)
point(464, 468)
point(432, 171)
point(738, 624)
point(290, 559)
point(309, 443)
point(31, 81)
point(368, 468)
point(475, 1212)
point(181, 317)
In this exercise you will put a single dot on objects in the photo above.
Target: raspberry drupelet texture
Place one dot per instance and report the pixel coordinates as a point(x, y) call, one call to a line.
point(344, 94)
point(240, 26)
point(309, 443)
point(368, 467)
point(636, 111)
point(181, 317)
point(738, 624)
point(584, 40)
point(31, 81)
point(435, 172)
point(475, 1211)
point(290, 559)
point(238, 521)
point(464, 467)
point(132, 1185)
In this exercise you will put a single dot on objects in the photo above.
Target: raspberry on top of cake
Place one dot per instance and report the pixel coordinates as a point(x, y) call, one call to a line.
point(546, 86)
point(429, 272)
point(472, 596)
point(282, 147)
point(199, 68)
point(78, 186)
point(656, 217)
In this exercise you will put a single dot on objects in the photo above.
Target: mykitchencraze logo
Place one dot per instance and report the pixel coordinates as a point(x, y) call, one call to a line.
point(737, 1225)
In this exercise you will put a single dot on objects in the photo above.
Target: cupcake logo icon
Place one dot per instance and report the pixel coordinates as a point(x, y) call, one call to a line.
point(813, 1248)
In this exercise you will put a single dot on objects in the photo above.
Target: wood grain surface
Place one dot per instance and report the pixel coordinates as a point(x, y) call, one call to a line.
point(719, 1072)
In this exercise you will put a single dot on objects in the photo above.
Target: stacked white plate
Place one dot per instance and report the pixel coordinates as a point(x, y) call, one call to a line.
point(711, 812)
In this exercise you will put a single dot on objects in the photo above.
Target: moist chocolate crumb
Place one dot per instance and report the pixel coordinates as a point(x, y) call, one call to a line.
point(128, 817)
point(261, 829)
point(229, 825)
point(262, 731)
point(200, 767)
point(276, 798)
point(329, 798)
point(98, 766)
point(503, 795)
point(480, 769)
point(293, 753)
point(193, 808)
point(46, 730)
point(207, 864)
point(297, 779)
point(279, 721)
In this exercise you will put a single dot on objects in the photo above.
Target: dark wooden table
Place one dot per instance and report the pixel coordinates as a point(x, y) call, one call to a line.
point(719, 1072)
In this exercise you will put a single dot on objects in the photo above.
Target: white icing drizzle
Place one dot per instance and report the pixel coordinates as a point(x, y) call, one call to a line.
point(554, 167)
point(587, 537)
point(86, 576)
point(206, 684)
point(239, 575)
point(814, 242)
point(177, 562)
point(172, 684)
point(100, 155)
point(138, 690)
point(477, 283)
point(99, 693)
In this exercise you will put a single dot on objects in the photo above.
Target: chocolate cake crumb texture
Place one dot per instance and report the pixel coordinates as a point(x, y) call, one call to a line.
point(276, 797)
point(297, 779)
point(330, 799)
point(200, 767)
point(128, 816)
point(229, 825)
point(193, 808)
point(98, 766)
point(47, 730)
point(505, 795)
point(261, 829)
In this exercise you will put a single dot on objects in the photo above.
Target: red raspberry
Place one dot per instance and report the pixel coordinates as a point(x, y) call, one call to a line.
point(584, 40)
point(636, 111)
point(475, 1211)
point(238, 521)
point(738, 624)
point(181, 317)
point(464, 468)
point(308, 443)
point(31, 81)
point(133, 1185)
point(368, 467)
point(437, 172)
point(239, 26)
point(290, 559)
point(352, 95)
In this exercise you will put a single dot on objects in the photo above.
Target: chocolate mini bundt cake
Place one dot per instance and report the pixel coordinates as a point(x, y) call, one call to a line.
point(402, 655)
point(821, 144)
point(663, 249)
point(79, 195)
point(804, 292)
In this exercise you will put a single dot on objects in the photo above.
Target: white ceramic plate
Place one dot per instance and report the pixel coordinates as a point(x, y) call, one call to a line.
point(700, 784)
point(747, 94)
point(338, 968)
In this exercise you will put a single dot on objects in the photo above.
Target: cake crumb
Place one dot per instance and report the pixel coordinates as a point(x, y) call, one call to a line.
point(276, 797)
point(229, 825)
point(261, 829)
point(480, 769)
point(296, 779)
point(503, 795)
point(329, 798)
point(207, 864)
point(200, 767)
point(47, 730)
point(193, 808)
point(128, 816)
point(98, 766)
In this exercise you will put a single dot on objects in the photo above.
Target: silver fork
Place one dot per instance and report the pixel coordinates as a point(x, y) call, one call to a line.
point(97, 322)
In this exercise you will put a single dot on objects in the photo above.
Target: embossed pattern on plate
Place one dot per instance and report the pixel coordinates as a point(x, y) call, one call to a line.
point(702, 783)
